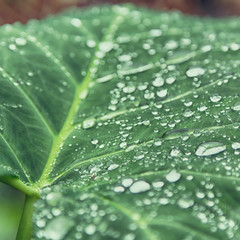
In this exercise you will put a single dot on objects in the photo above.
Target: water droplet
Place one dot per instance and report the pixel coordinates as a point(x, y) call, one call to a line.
point(58, 227)
point(12, 47)
point(162, 93)
point(88, 123)
point(90, 229)
point(129, 89)
point(113, 166)
point(106, 46)
point(236, 106)
point(123, 145)
point(185, 203)
point(158, 82)
point(188, 113)
point(171, 45)
point(94, 141)
point(124, 58)
point(91, 43)
point(119, 189)
point(170, 80)
point(158, 184)
point(140, 186)
point(163, 201)
point(210, 148)
point(155, 32)
point(236, 145)
point(21, 41)
point(173, 176)
point(195, 72)
point(175, 152)
point(215, 98)
point(53, 198)
point(180, 57)
point(202, 108)
point(127, 182)
point(76, 22)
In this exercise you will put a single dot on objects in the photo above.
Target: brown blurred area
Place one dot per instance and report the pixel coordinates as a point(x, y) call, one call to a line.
point(23, 10)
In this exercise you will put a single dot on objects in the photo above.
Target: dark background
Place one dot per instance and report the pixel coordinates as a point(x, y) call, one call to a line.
point(11, 201)
point(22, 10)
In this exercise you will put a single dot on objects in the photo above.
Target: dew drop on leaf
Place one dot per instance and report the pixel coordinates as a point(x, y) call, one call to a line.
point(58, 227)
point(215, 98)
point(185, 203)
point(210, 148)
point(88, 123)
point(236, 106)
point(90, 229)
point(195, 72)
point(139, 186)
point(173, 176)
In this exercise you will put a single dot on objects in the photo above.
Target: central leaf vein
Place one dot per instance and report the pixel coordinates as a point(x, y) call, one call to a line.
point(67, 127)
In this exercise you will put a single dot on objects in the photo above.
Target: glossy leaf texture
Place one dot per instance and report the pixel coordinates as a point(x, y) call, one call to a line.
point(128, 120)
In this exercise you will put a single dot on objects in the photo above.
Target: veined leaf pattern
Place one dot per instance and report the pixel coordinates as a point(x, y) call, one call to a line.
point(127, 122)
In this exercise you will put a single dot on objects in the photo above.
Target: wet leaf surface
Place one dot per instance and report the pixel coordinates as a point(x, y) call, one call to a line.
point(128, 120)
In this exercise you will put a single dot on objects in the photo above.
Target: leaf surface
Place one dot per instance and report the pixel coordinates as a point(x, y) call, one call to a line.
point(128, 122)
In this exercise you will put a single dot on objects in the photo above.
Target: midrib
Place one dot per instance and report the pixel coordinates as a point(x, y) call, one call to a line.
point(67, 127)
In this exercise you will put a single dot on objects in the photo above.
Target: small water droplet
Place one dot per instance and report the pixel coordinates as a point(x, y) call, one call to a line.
point(119, 189)
point(215, 98)
point(88, 123)
point(113, 166)
point(155, 32)
point(188, 113)
point(94, 141)
point(91, 43)
point(127, 182)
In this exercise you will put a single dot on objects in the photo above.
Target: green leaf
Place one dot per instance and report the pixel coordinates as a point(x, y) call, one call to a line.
point(127, 122)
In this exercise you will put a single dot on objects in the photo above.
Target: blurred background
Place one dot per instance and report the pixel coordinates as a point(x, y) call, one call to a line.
point(11, 201)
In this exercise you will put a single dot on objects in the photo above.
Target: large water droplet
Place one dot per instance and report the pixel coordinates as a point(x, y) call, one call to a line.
point(140, 186)
point(106, 46)
point(185, 203)
point(58, 227)
point(173, 176)
point(76, 22)
point(195, 72)
point(210, 148)
point(158, 82)
point(90, 229)
point(162, 93)
point(236, 106)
